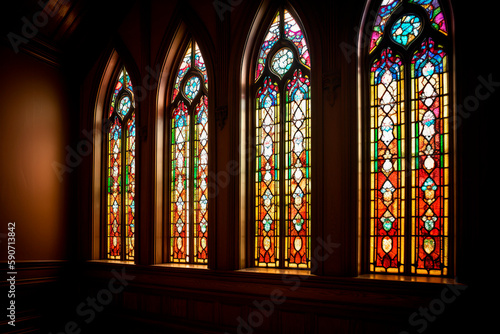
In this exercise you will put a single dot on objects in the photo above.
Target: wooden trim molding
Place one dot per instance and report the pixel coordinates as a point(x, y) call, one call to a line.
point(197, 300)
point(36, 272)
point(39, 49)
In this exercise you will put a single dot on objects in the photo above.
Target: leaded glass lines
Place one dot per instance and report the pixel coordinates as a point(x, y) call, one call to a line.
point(267, 177)
point(180, 184)
point(406, 29)
point(283, 147)
point(410, 137)
point(432, 8)
point(384, 13)
point(295, 34)
point(130, 188)
point(298, 171)
point(273, 35)
point(430, 157)
point(387, 176)
point(183, 69)
point(201, 181)
point(188, 232)
point(282, 61)
point(121, 171)
point(114, 190)
point(435, 14)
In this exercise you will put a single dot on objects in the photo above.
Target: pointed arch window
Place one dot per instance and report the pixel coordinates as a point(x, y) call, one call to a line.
point(410, 138)
point(281, 93)
point(120, 170)
point(188, 230)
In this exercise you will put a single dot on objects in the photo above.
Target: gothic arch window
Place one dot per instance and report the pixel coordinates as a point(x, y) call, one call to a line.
point(120, 170)
point(409, 151)
point(188, 230)
point(281, 93)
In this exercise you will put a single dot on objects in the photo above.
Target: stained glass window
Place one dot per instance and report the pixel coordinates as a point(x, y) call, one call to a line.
point(121, 171)
point(430, 157)
point(282, 109)
point(387, 138)
point(409, 142)
point(282, 61)
point(406, 29)
point(435, 14)
point(188, 242)
point(384, 13)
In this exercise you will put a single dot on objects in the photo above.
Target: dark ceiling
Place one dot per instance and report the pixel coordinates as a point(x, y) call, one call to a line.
point(66, 31)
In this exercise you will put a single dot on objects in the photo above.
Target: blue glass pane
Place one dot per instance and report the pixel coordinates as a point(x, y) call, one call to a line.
point(406, 29)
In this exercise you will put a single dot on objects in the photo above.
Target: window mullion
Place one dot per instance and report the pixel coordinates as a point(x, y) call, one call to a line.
point(282, 186)
point(191, 217)
point(123, 195)
point(281, 159)
point(409, 158)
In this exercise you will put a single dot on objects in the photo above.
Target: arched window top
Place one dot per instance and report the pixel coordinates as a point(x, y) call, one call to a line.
point(408, 26)
point(281, 228)
point(435, 13)
point(286, 26)
point(123, 95)
point(188, 228)
point(191, 62)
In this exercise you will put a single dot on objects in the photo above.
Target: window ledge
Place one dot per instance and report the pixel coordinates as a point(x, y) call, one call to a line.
point(403, 278)
point(112, 262)
point(304, 274)
point(277, 271)
point(182, 265)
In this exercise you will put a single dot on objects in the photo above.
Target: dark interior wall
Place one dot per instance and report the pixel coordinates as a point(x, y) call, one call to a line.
point(477, 84)
point(34, 132)
point(36, 181)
